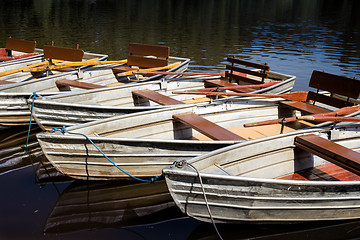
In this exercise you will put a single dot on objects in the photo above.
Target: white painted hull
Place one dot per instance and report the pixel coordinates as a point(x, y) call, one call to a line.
point(14, 108)
point(76, 108)
point(241, 184)
point(143, 143)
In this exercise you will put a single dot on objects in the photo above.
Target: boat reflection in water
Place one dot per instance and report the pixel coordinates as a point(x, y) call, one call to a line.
point(86, 205)
point(15, 151)
point(322, 230)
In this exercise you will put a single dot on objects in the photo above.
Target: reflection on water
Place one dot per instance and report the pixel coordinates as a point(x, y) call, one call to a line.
point(293, 36)
point(95, 205)
point(17, 149)
point(337, 230)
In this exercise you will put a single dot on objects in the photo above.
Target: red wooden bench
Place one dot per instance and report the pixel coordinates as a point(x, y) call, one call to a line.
point(206, 127)
point(65, 84)
point(330, 151)
point(63, 53)
point(235, 70)
point(145, 56)
point(155, 97)
point(13, 44)
point(347, 87)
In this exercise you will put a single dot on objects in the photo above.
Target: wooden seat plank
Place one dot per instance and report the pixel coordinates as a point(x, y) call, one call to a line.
point(20, 45)
point(336, 84)
point(146, 62)
point(330, 151)
point(338, 172)
point(63, 53)
point(206, 127)
point(156, 97)
point(246, 71)
point(63, 84)
point(241, 78)
point(145, 56)
point(222, 83)
point(149, 49)
point(248, 64)
point(335, 102)
point(304, 107)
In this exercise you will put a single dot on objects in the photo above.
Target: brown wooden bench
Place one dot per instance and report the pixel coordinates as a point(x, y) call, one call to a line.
point(63, 53)
point(19, 45)
point(65, 84)
point(155, 97)
point(235, 70)
point(223, 83)
point(145, 56)
point(330, 151)
point(347, 87)
point(206, 127)
point(25, 46)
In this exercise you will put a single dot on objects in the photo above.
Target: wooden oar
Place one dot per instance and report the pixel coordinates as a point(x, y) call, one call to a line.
point(268, 84)
point(222, 74)
point(74, 64)
point(141, 71)
point(2, 74)
point(294, 96)
point(329, 119)
point(341, 111)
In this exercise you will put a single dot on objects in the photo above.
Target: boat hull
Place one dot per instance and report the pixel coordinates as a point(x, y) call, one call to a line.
point(244, 188)
point(76, 108)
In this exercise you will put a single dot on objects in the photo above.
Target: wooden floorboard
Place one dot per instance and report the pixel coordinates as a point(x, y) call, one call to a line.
point(326, 172)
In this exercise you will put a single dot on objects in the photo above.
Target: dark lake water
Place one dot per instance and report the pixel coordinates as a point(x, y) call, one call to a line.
point(293, 37)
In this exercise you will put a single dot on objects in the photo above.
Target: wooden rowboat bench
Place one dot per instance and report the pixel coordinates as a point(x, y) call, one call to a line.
point(197, 122)
point(241, 75)
point(344, 163)
point(206, 127)
point(13, 44)
point(330, 151)
point(65, 84)
point(155, 97)
point(139, 57)
point(334, 84)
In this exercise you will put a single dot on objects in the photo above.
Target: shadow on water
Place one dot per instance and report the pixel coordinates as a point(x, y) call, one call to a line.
point(17, 149)
point(337, 230)
point(110, 204)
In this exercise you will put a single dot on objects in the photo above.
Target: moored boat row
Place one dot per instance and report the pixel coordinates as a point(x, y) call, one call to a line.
point(233, 148)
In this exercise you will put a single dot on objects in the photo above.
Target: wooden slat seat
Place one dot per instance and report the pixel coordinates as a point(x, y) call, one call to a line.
point(330, 151)
point(63, 53)
point(145, 56)
point(65, 84)
point(156, 97)
point(19, 45)
point(244, 77)
point(347, 87)
point(222, 83)
point(206, 127)
point(13, 44)
point(304, 107)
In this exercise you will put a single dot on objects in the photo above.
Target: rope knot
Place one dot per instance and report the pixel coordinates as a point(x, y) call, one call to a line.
point(33, 97)
point(179, 164)
point(61, 129)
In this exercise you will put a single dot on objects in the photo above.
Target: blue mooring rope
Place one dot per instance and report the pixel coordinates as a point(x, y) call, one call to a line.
point(63, 129)
point(31, 113)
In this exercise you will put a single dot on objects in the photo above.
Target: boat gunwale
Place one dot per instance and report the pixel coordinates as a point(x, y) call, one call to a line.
point(170, 170)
